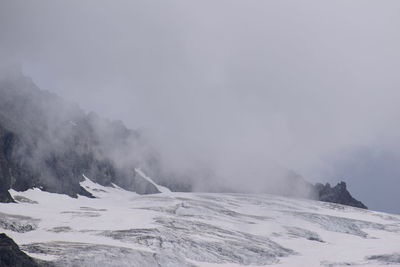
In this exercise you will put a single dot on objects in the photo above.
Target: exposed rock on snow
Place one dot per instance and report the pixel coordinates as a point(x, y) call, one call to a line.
point(337, 194)
point(17, 223)
point(11, 255)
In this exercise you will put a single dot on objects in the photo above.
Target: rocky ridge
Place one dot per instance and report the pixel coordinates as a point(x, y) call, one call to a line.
point(50, 144)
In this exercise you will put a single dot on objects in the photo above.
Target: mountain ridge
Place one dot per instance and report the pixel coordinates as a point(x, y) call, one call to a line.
point(49, 144)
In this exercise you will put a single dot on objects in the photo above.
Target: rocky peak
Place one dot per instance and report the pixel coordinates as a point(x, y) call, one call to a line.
point(48, 143)
point(337, 194)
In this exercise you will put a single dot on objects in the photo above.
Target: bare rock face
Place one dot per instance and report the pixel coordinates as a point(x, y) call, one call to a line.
point(294, 185)
point(5, 197)
point(50, 144)
point(337, 194)
point(6, 139)
point(11, 255)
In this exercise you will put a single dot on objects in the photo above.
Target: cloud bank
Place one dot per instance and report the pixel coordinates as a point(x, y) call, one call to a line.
point(238, 89)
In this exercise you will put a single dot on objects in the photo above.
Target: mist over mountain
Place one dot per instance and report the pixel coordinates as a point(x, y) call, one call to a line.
point(199, 133)
point(50, 144)
point(230, 89)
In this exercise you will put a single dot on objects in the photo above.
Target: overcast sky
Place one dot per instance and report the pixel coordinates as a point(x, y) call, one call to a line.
point(309, 85)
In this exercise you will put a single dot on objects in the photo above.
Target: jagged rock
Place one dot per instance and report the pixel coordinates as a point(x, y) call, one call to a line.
point(338, 194)
point(11, 255)
point(49, 144)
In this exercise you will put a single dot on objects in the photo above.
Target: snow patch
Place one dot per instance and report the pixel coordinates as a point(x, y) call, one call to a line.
point(160, 188)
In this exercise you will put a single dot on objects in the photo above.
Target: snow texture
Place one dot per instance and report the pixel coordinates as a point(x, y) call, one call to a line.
point(122, 228)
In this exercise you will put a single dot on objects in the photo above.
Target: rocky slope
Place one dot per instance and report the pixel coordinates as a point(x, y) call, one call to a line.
point(337, 194)
point(11, 255)
point(50, 144)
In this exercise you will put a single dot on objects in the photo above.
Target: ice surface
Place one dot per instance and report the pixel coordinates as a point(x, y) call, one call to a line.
point(122, 228)
point(88, 255)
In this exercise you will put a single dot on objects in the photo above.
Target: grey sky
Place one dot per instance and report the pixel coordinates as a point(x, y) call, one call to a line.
point(309, 85)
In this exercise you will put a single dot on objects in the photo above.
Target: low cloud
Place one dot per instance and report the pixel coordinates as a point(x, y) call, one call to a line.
point(231, 89)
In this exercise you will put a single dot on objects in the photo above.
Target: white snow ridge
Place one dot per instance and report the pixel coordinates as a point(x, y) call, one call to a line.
point(121, 228)
point(160, 188)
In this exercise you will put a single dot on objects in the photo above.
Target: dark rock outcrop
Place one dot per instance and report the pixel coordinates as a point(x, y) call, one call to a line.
point(5, 197)
point(50, 144)
point(11, 255)
point(294, 185)
point(337, 194)
point(6, 139)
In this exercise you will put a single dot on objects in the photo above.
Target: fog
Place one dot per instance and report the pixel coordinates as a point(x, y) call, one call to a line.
point(239, 90)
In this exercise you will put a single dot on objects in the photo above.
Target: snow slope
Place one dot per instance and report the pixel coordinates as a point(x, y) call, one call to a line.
point(160, 188)
point(121, 228)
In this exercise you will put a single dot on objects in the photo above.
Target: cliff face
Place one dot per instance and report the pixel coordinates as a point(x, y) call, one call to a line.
point(337, 194)
point(11, 255)
point(50, 144)
point(6, 143)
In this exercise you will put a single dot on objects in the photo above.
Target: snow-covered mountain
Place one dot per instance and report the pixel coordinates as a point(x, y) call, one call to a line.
point(47, 143)
point(122, 228)
point(79, 190)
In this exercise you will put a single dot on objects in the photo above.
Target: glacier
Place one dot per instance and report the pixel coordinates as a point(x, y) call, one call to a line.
point(123, 228)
